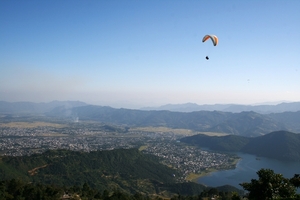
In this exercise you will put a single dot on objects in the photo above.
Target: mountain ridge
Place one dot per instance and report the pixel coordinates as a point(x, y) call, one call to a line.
point(25, 107)
point(235, 108)
point(246, 123)
point(250, 124)
point(263, 108)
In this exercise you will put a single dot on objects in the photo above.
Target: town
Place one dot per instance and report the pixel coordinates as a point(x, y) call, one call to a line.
point(27, 140)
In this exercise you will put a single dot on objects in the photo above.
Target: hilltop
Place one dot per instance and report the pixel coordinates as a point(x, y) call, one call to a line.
point(281, 145)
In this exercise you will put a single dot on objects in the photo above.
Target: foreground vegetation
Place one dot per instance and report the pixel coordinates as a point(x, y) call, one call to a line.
point(120, 174)
point(125, 169)
point(269, 186)
point(272, 186)
point(17, 189)
point(128, 171)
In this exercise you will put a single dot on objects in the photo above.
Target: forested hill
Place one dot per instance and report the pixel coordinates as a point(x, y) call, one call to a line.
point(127, 170)
point(281, 145)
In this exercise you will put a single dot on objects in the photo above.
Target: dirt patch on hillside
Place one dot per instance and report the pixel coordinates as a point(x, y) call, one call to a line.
point(33, 171)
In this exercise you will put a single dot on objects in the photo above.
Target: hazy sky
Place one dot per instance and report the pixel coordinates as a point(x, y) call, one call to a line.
point(135, 53)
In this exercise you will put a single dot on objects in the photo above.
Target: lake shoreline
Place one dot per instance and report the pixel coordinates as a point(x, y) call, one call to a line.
point(246, 170)
point(195, 176)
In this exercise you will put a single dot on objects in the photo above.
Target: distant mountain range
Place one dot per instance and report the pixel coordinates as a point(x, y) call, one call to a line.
point(30, 107)
point(235, 108)
point(249, 124)
point(281, 145)
point(35, 108)
point(246, 123)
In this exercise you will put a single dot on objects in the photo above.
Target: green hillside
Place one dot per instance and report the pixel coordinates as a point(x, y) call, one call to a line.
point(290, 119)
point(127, 170)
point(248, 124)
point(281, 145)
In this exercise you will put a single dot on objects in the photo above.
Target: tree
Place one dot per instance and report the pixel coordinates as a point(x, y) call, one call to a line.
point(296, 180)
point(235, 196)
point(213, 191)
point(269, 186)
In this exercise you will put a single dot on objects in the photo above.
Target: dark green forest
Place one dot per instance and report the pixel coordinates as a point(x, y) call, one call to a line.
point(17, 189)
point(268, 186)
point(126, 169)
point(118, 174)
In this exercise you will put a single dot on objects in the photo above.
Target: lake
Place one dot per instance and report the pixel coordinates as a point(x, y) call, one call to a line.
point(246, 170)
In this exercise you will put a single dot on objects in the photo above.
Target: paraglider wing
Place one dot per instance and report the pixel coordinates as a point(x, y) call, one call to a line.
point(213, 38)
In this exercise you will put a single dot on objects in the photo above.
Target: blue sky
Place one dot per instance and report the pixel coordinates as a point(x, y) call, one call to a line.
point(137, 53)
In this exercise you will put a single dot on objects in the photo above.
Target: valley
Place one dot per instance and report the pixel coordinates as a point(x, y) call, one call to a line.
point(192, 147)
point(27, 138)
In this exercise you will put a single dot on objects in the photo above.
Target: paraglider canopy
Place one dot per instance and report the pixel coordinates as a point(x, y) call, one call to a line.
point(213, 38)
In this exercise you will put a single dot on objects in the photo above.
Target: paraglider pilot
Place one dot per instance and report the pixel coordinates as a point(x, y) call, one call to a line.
point(214, 40)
